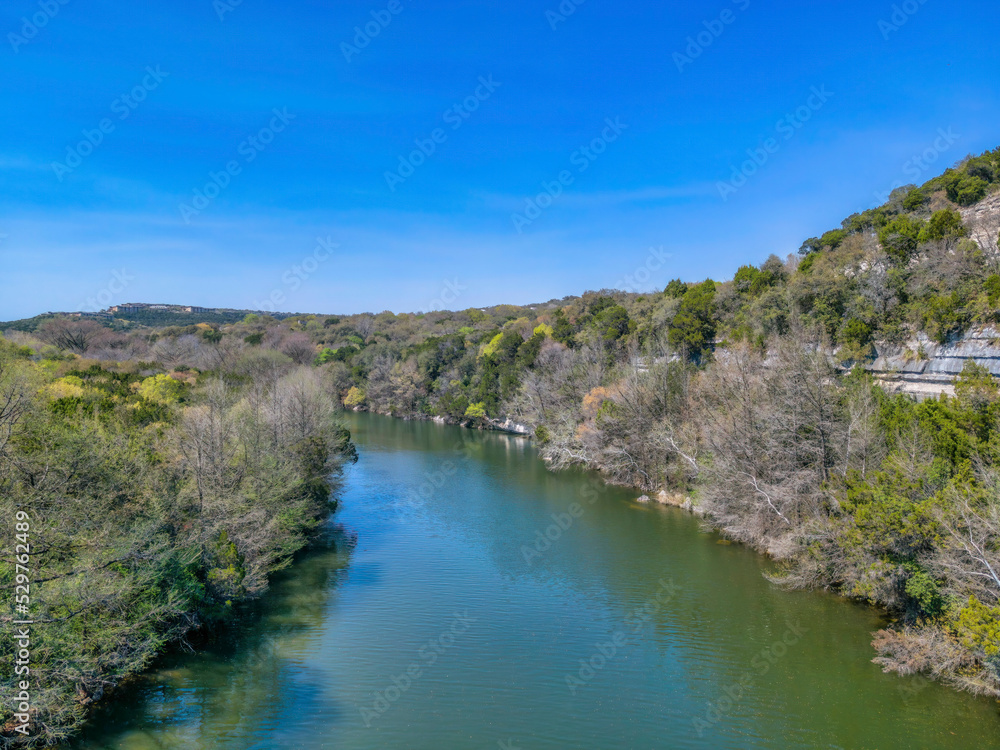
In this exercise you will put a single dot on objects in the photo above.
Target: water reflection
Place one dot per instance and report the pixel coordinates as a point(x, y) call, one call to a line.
point(240, 683)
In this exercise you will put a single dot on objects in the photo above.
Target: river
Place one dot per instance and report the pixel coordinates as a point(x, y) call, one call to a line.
point(466, 597)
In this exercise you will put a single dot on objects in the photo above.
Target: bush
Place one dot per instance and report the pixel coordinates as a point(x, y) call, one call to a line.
point(944, 223)
point(675, 289)
point(914, 200)
point(355, 397)
point(965, 189)
point(476, 410)
point(856, 337)
point(899, 238)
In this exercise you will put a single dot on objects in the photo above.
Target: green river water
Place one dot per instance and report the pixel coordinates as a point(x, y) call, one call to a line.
point(435, 617)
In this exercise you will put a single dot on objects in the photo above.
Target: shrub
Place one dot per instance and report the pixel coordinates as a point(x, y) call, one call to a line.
point(965, 189)
point(944, 223)
point(476, 410)
point(355, 397)
point(914, 199)
point(900, 236)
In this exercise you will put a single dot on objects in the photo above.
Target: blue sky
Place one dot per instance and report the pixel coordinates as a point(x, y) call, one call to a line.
point(508, 98)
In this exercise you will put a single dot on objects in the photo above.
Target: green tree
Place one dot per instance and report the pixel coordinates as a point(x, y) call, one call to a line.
point(162, 389)
point(613, 323)
point(914, 199)
point(900, 237)
point(965, 189)
point(562, 330)
point(675, 289)
point(944, 223)
point(693, 328)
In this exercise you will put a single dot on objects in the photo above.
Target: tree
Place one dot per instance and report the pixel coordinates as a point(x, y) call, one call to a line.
point(562, 330)
point(675, 289)
point(693, 327)
point(965, 189)
point(75, 336)
point(162, 389)
point(944, 223)
point(900, 237)
point(856, 337)
point(355, 397)
point(613, 323)
point(476, 411)
point(914, 200)
point(976, 388)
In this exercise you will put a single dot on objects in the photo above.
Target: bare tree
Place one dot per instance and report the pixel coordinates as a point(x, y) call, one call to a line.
point(365, 325)
point(178, 351)
point(970, 558)
point(770, 427)
point(864, 445)
point(72, 335)
point(14, 400)
point(299, 347)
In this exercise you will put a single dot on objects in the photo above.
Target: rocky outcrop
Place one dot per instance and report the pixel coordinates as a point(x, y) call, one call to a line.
point(678, 500)
point(982, 221)
point(509, 425)
point(926, 369)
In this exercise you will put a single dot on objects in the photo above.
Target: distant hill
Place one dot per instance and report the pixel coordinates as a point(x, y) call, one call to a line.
point(174, 315)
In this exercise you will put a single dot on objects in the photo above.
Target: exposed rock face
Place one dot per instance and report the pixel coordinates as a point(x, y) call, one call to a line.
point(678, 500)
point(667, 498)
point(983, 222)
point(926, 369)
point(509, 425)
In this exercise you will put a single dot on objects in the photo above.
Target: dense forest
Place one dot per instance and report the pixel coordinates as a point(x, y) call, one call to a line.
point(172, 468)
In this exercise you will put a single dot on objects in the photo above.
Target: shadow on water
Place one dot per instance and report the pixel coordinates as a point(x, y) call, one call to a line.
point(241, 673)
